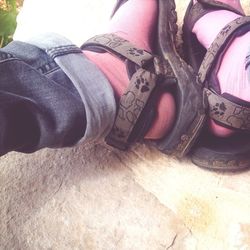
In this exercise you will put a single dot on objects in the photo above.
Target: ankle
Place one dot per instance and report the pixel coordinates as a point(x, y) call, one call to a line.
point(220, 131)
point(115, 71)
point(135, 21)
point(113, 68)
point(165, 116)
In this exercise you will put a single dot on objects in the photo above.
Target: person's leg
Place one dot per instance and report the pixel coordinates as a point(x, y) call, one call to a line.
point(39, 105)
point(232, 75)
point(135, 21)
point(52, 110)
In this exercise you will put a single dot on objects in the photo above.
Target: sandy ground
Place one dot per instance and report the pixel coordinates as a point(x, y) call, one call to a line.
point(93, 198)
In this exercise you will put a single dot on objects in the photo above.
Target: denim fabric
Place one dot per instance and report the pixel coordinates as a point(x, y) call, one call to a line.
point(39, 104)
point(94, 89)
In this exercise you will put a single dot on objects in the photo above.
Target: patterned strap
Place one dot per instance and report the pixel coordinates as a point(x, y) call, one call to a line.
point(131, 106)
point(119, 47)
point(222, 110)
point(218, 45)
point(227, 112)
point(134, 114)
point(118, 4)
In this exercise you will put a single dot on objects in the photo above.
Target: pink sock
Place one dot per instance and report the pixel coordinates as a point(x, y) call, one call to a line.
point(135, 21)
point(232, 75)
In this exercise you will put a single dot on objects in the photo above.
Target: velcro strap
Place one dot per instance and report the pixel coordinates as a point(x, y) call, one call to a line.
point(228, 113)
point(132, 104)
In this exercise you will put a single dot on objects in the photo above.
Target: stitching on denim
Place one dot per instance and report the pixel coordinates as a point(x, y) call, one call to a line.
point(5, 56)
point(37, 70)
point(9, 59)
point(44, 69)
point(63, 50)
point(52, 70)
point(64, 46)
point(47, 68)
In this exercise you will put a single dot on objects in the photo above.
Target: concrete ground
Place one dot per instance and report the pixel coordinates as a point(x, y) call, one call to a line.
point(93, 198)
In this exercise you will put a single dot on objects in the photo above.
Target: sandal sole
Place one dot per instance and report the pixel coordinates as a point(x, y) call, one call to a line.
point(215, 158)
point(190, 106)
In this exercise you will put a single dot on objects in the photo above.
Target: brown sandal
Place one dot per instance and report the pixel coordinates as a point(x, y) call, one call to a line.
point(150, 76)
point(212, 152)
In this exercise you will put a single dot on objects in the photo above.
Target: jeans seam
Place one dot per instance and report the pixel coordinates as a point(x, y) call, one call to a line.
point(64, 47)
point(5, 56)
point(63, 50)
point(52, 70)
point(34, 68)
point(62, 53)
point(10, 59)
point(44, 70)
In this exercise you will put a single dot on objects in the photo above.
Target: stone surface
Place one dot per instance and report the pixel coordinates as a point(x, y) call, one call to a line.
point(89, 197)
point(81, 198)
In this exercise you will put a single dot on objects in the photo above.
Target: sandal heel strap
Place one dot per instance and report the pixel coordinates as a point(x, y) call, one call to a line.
point(118, 4)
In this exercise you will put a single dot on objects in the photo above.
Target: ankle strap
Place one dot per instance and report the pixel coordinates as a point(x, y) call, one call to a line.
point(222, 110)
point(233, 29)
point(119, 47)
point(149, 80)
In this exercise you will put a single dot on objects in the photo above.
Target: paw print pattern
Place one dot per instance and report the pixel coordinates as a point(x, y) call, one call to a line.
point(110, 40)
point(225, 30)
point(219, 109)
point(116, 42)
point(142, 84)
point(136, 52)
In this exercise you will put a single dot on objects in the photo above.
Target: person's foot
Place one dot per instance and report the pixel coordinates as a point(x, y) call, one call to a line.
point(135, 21)
point(232, 75)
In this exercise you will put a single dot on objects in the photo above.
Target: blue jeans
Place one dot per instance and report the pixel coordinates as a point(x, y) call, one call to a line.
point(51, 96)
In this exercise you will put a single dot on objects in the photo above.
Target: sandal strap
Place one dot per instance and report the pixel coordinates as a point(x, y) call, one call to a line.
point(202, 7)
point(228, 113)
point(118, 4)
point(219, 45)
point(217, 5)
point(118, 46)
point(137, 105)
point(223, 39)
point(137, 109)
